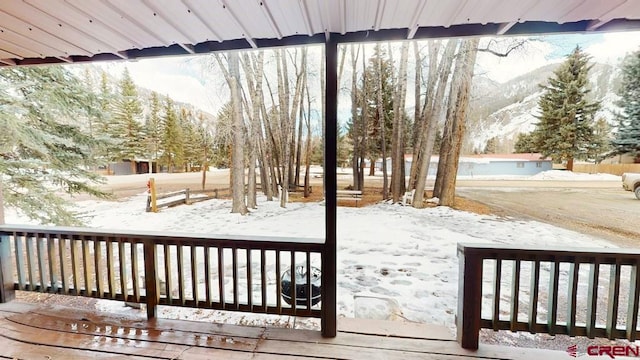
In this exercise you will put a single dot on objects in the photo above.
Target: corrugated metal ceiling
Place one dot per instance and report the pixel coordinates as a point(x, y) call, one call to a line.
point(49, 31)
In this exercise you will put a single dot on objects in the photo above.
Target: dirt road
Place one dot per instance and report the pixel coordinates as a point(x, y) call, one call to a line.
point(599, 208)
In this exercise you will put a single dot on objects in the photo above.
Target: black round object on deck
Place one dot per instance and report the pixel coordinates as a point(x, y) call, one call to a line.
point(302, 288)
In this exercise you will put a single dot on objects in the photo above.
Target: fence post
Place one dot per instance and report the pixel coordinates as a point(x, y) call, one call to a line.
point(151, 278)
point(7, 291)
point(469, 298)
point(154, 195)
point(187, 195)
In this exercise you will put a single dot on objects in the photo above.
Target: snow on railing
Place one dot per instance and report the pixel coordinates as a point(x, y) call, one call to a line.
point(236, 273)
point(552, 291)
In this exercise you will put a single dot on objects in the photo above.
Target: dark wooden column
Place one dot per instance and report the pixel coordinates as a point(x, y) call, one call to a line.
point(329, 268)
point(469, 298)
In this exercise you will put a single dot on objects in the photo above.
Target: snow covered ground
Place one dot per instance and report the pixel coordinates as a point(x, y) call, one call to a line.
point(393, 261)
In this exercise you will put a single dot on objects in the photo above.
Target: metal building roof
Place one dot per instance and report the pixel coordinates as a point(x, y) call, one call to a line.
point(50, 31)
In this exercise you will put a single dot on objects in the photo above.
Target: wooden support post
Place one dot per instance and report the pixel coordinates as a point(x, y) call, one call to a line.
point(469, 299)
point(328, 290)
point(154, 195)
point(187, 196)
point(7, 292)
point(151, 278)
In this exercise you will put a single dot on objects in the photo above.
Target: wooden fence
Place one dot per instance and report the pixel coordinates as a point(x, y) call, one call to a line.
point(185, 196)
point(236, 273)
point(529, 290)
point(615, 169)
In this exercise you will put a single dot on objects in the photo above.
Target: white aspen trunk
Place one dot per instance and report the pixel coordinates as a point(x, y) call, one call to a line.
point(431, 117)
point(448, 191)
point(238, 200)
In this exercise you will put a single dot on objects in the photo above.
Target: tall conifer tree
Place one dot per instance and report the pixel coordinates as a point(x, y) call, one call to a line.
point(565, 130)
point(628, 135)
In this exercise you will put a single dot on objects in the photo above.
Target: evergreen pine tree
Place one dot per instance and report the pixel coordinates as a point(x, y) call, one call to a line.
point(153, 127)
point(127, 113)
point(565, 130)
point(172, 139)
point(628, 135)
point(525, 143)
point(42, 150)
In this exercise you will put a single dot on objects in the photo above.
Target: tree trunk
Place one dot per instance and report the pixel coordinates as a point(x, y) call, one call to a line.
point(381, 123)
point(570, 164)
point(397, 142)
point(238, 204)
point(431, 116)
point(468, 54)
point(420, 127)
point(357, 137)
point(1, 201)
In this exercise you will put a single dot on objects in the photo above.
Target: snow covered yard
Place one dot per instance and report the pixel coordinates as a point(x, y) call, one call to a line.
point(393, 261)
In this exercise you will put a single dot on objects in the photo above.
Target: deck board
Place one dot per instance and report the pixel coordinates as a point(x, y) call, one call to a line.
point(39, 331)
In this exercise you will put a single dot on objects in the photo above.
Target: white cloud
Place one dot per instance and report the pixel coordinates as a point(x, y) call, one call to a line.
point(614, 46)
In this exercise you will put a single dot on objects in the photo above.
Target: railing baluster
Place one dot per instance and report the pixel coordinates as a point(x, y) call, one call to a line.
point(98, 262)
point(135, 273)
point(614, 292)
point(309, 285)
point(263, 278)
point(533, 298)
point(278, 284)
point(234, 263)
point(62, 246)
point(122, 262)
point(168, 273)
point(221, 277)
point(111, 279)
point(42, 267)
point(207, 275)
point(31, 262)
point(552, 308)
point(572, 297)
point(53, 263)
point(292, 271)
point(515, 295)
point(181, 275)
point(20, 262)
point(496, 294)
point(75, 266)
point(249, 286)
point(194, 275)
point(632, 310)
point(86, 265)
point(592, 298)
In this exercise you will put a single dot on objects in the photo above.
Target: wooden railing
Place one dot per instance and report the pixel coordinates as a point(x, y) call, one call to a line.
point(583, 292)
point(236, 273)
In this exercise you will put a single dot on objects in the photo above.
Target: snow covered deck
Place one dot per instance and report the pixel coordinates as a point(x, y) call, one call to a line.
point(32, 331)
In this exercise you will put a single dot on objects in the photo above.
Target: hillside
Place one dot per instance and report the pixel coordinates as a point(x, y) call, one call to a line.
point(503, 110)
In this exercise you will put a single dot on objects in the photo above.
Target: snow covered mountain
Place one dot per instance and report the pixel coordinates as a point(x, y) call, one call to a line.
point(503, 110)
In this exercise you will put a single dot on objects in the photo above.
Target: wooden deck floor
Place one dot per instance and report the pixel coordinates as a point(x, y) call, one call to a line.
point(51, 332)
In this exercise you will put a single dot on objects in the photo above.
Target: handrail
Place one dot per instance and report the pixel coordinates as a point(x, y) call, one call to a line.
point(517, 289)
point(225, 272)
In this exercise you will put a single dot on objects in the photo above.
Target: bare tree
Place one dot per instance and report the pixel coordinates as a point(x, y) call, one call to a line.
point(456, 118)
point(238, 198)
point(381, 122)
point(398, 185)
point(431, 114)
